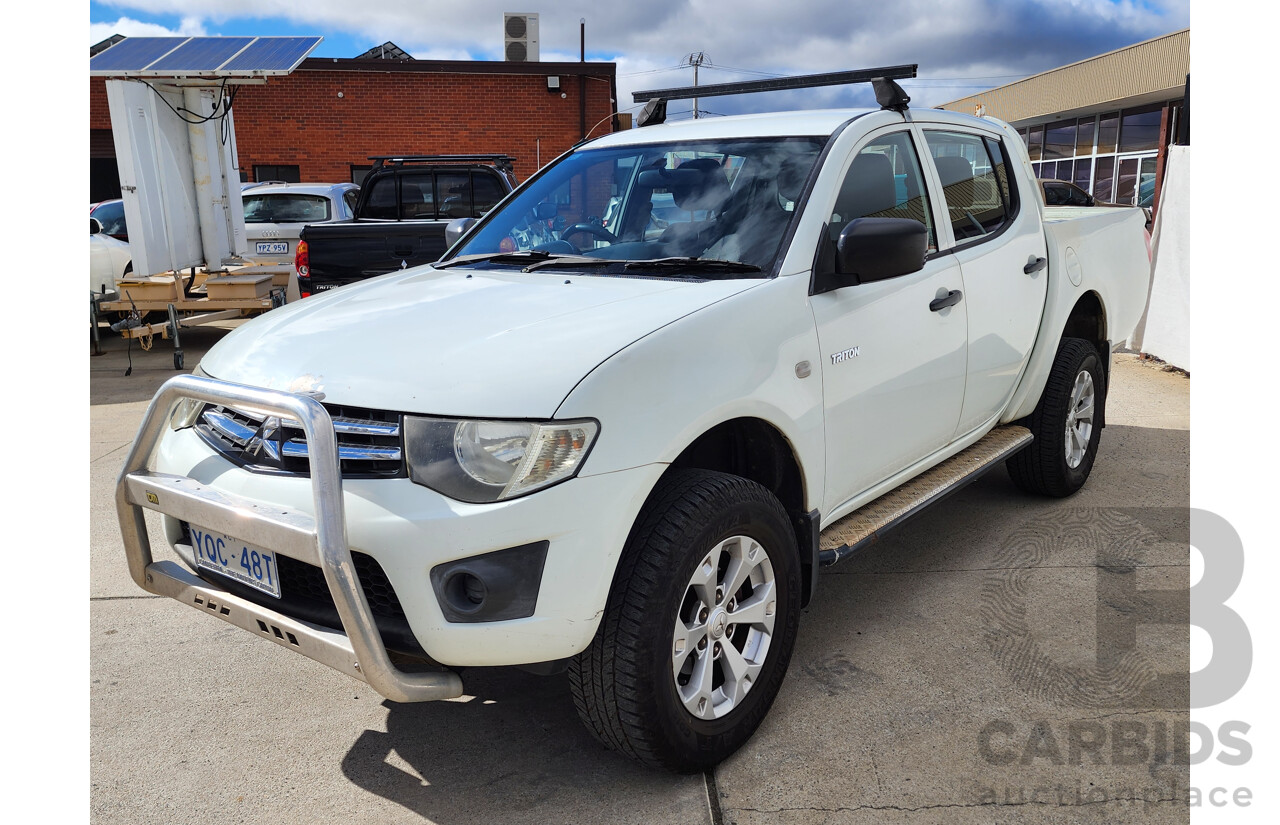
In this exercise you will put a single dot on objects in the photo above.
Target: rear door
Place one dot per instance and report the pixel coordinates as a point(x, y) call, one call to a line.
point(998, 241)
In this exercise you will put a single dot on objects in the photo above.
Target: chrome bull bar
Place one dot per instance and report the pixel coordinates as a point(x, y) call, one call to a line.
point(320, 540)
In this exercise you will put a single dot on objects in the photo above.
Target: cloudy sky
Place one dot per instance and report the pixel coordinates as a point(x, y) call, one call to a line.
point(962, 46)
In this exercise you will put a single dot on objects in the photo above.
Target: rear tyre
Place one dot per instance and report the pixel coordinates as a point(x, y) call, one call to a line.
point(1064, 423)
point(698, 630)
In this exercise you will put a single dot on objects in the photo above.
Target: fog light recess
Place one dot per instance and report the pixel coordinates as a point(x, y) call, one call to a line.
point(491, 587)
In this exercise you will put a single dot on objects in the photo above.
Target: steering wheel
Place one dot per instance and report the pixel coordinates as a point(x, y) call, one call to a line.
point(591, 229)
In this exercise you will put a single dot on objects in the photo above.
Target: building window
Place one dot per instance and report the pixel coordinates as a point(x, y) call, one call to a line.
point(283, 172)
point(358, 172)
point(1060, 140)
point(1103, 177)
point(1127, 180)
point(1140, 130)
point(1084, 137)
point(1035, 142)
point(1108, 129)
point(1083, 177)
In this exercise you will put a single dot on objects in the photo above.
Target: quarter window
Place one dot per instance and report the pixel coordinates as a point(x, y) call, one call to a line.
point(975, 182)
point(381, 200)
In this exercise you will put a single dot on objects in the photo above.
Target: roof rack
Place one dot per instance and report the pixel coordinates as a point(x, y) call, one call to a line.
point(503, 162)
point(888, 94)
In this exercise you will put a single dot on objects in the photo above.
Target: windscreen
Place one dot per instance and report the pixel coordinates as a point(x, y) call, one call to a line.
point(726, 200)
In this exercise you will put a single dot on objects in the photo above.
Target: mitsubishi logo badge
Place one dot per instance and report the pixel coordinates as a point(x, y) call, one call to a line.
point(266, 439)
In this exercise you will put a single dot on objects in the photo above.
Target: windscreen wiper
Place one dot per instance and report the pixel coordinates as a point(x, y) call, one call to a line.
point(520, 257)
point(572, 261)
point(700, 265)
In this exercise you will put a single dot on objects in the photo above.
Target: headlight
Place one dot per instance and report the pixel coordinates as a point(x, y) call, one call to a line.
point(483, 461)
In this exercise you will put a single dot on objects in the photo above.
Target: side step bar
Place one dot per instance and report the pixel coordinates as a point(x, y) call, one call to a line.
point(866, 524)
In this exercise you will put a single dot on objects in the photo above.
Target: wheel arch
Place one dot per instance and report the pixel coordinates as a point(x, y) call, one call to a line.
point(1088, 320)
point(755, 449)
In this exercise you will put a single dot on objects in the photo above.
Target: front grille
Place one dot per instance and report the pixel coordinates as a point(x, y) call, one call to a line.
point(368, 440)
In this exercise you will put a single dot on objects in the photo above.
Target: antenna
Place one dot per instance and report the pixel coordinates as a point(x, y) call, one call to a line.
point(696, 59)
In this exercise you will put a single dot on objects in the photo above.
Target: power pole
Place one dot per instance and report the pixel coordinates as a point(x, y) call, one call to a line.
point(696, 59)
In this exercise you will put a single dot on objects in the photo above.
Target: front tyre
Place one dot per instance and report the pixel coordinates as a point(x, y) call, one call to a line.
point(698, 630)
point(1065, 424)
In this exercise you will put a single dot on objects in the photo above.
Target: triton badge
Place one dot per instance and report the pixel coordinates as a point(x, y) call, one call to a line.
point(152, 497)
point(845, 355)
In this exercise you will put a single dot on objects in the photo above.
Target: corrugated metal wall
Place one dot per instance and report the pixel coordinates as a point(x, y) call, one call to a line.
point(1143, 68)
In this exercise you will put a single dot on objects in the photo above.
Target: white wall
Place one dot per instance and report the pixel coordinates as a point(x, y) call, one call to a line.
point(1165, 328)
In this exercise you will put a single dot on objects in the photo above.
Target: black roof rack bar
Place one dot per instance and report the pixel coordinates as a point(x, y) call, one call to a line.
point(774, 84)
point(502, 161)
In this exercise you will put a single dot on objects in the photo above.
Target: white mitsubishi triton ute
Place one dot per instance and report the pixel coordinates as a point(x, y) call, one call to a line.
point(626, 449)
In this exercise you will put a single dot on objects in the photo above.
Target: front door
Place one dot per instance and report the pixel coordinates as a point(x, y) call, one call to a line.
point(893, 369)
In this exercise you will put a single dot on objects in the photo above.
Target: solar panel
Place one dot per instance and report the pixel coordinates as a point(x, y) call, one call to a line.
point(133, 53)
point(202, 56)
point(273, 54)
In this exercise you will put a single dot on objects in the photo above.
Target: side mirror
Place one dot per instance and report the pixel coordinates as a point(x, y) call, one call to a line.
point(455, 229)
point(95, 226)
point(875, 249)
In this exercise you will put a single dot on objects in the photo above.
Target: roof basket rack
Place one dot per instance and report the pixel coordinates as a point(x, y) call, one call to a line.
point(888, 94)
point(503, 162)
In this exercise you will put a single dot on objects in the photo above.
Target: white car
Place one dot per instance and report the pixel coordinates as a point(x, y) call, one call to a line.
point(274, 214)
point(109, 259)
point(627, 453)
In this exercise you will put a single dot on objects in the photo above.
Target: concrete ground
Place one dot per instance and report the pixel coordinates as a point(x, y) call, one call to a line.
point(999, 658)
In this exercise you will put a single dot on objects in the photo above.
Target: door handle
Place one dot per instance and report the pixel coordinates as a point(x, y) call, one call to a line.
point(1035, 266)
point(949, 300)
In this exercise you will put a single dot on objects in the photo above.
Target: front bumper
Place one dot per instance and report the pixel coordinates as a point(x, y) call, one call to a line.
point(406, 528)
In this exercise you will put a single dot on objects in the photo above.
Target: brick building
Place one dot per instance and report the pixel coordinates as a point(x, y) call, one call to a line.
point(323, 121)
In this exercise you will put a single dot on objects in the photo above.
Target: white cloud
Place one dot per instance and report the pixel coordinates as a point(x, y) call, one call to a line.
point(190, 27)
point(969, 44)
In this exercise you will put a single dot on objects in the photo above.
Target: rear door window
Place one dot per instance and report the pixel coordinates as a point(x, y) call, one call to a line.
point(417, 196)
point(455, 194)
point(975, 182)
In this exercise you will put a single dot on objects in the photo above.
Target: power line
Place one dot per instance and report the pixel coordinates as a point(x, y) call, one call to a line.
point(654, 71)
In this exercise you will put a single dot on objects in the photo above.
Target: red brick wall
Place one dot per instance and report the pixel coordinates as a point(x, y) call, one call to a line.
point(299, 119)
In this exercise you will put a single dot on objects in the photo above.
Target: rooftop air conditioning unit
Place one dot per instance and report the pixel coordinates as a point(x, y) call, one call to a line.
point(520, 32)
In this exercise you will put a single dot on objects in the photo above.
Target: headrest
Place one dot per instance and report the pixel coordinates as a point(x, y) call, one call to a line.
point(874, 189)
point(698, 184)
point(791, 176)
point(953, 169)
